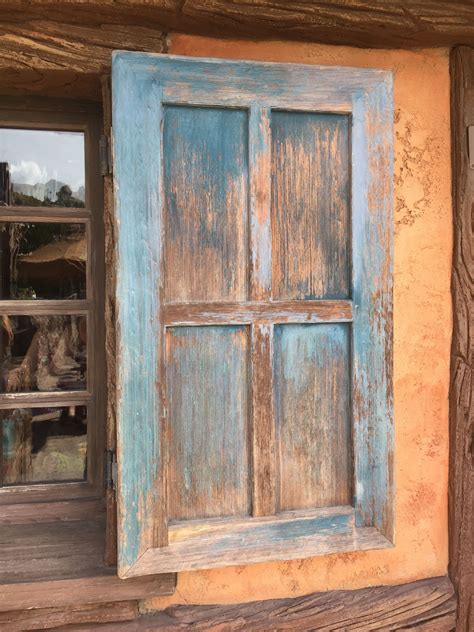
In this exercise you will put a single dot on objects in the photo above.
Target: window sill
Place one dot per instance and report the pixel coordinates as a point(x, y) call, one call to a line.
point(229, 542)
point(55, 564)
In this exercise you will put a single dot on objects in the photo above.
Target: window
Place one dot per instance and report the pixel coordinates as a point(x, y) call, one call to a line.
point(51, 312)
point(254, 206)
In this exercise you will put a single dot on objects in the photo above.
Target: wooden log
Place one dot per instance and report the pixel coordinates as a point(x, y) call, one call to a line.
point(428, 605)
point(461, 466)
point(55, 34)
point(50, 618)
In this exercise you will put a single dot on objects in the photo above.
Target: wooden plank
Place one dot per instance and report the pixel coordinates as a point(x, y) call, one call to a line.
point(54, 36)
point(264, 475)
point(310, 205)
point(259, 195)
point(461, 433)
point(208, 401)
point(65, 398)
point(137, 139)
point(46, 307)
point(205, 215)
point(372, 340)
point(313, 420)
point(88, 614)
point(110, 231)
point(256, 312)
point(428, 605)
point(95, 588)
point(224, 83)
point(261, 419)
point(260, 540)
point(43, 492)
point(53, 550)
point(262, 526)
point(37, 512)
point(46, 214)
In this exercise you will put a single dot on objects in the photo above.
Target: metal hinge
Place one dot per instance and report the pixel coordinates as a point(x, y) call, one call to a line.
point(110, 470)
point(105, 150)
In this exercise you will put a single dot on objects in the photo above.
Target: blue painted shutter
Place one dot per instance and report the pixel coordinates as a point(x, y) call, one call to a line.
point(254, 213)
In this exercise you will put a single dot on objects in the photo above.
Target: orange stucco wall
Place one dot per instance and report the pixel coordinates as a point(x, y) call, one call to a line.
point(422, 318)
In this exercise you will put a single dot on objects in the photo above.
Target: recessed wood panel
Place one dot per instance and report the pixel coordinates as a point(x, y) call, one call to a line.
point(312, 408)
point(205, 191)
point(310, 205)
point(207, 395)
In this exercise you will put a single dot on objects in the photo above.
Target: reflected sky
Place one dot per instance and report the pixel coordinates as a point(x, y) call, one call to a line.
point(37, 156)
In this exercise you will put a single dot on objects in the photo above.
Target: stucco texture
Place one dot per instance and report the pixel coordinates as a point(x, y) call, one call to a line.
point(422, 321)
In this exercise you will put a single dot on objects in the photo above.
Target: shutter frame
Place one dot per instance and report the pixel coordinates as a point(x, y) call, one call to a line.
point(141, 83)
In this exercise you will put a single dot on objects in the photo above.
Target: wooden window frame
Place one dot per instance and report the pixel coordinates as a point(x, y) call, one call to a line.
point(364, 94)
point(37, 113)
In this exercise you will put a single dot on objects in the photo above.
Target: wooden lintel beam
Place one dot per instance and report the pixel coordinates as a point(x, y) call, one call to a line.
point(425, 605)
point(81, 32)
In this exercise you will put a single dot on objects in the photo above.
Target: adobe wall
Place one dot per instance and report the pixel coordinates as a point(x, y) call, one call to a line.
point(422, 319)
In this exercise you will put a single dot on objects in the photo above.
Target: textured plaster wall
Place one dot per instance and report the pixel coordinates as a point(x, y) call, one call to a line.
point(422, 316)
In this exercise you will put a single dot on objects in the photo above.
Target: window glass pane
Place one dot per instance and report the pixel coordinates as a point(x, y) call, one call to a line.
point(43, 444)
point(43, 353)
point(42, 261)
point(42, 168)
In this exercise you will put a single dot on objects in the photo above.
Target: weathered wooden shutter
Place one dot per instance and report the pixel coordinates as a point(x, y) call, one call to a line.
point(254, 213)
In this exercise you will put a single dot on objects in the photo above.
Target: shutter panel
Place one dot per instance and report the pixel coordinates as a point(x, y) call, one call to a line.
point(254, 217)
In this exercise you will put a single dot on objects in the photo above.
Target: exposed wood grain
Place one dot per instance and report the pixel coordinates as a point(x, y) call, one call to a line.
point(110, 231)
point(428, 605)
point(44, 307)
point(259, 197)
point(49, 618)
point(264, 473)
point(54, 550)
point(54, 53)
point(372, 333)
point(137, 134)
point(310, 205)
point(95, 588)
point(205, 213)
point(37, 512)
point(313, 419)
point(58, 564)
point(461, 469)
point(238, 551)
point(45, 33)
point(219, 83)
point(208, 400)
point(35, 214)
point(263, 312)
point(208, 443)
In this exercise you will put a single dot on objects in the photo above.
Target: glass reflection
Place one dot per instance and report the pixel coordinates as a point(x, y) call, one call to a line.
point(43, 444)
point(43, 353)
point(41, 168)
point(42, 261)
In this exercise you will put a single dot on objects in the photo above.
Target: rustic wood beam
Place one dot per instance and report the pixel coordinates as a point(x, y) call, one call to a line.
point(83, 615)
point(461, 469)
point(424, 606)
point(47, 26)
